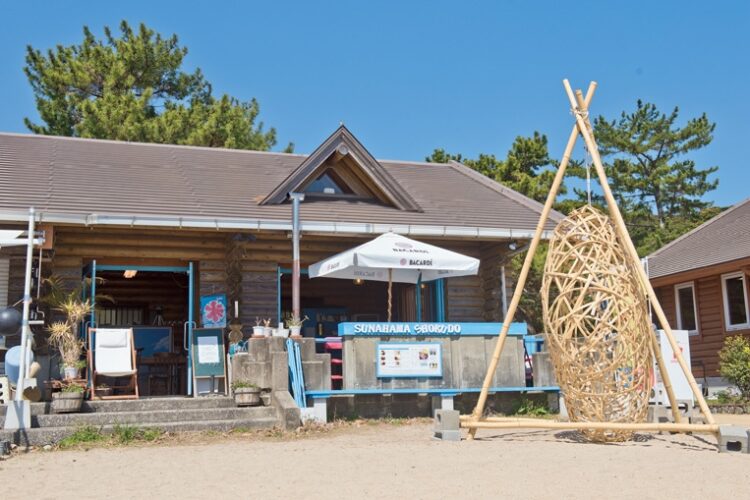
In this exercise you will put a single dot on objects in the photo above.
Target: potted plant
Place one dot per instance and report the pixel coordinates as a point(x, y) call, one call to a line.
point(103, 390)
point(245, 393)
point(64, 334)
point(69, 399)
point(295, 324)
point(258, 328)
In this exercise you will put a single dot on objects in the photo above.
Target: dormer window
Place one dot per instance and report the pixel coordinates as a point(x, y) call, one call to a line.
point(328, 183)
point(342, 168)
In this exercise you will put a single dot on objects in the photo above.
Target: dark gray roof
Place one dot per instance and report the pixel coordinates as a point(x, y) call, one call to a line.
point(60, 175)
point(723, 238)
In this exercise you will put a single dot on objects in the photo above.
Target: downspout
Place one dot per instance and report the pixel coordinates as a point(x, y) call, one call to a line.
point(504, 290)
point(296, 199)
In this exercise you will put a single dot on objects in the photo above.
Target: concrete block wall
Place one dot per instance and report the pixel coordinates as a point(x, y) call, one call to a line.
point(266, 365)
point(465, 361)
point(420, 405)
point(544, 373)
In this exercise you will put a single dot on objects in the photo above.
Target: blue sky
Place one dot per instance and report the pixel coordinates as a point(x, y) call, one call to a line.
point(407, 77)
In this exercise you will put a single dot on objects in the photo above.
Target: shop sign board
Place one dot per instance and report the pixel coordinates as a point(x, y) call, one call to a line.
point(409, 359)
point(214, 311)
point(441, 329)
point(680, 384)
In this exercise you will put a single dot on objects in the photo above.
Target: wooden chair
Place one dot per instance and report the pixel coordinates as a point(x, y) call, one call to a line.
point(112, 354)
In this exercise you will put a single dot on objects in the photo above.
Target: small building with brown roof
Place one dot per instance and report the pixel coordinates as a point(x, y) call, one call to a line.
point(159, 221)
point(701, 280)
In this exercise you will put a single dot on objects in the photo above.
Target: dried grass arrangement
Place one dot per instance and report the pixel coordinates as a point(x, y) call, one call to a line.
point(598, 328)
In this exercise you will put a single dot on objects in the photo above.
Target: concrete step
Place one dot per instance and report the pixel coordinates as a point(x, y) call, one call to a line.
point(52, 435)
point(144, 404)
point(144, 417)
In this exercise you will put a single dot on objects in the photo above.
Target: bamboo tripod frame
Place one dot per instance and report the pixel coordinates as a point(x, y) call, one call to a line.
point(580, 106)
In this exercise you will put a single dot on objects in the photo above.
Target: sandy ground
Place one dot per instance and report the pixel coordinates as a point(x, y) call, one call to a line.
point(391, 461)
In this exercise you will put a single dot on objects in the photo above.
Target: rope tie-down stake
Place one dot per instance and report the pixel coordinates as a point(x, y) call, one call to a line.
point(643, 291)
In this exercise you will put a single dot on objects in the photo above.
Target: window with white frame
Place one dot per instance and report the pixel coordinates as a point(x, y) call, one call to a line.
point(687, 310)
point(734, 291)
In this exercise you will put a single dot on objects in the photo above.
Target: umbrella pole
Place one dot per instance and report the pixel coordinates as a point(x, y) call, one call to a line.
point(390, 293)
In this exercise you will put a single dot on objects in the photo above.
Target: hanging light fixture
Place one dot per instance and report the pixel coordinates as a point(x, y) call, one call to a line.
point(130, 273)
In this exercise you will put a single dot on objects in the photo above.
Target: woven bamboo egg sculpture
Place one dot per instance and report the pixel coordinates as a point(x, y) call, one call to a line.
point(597, 324)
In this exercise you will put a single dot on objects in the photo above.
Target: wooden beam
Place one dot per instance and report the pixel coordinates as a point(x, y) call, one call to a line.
point(499, 423)
point(640, 272)
point(479, 409)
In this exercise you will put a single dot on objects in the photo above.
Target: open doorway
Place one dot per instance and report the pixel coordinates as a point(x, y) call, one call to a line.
point(157, 303)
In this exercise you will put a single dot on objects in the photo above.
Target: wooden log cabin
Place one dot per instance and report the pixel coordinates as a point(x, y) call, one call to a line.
point(157, 221)
point(701, 280)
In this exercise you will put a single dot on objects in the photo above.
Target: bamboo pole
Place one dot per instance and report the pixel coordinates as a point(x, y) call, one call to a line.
point(666, 379)
point(640, 272)
point(493, 423)
point(479, 409)
point(656, 352)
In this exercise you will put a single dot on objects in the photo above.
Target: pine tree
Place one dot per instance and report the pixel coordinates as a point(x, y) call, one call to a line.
point(131, 87)
point(526, 168)
point(529, 170)
point(659, 188)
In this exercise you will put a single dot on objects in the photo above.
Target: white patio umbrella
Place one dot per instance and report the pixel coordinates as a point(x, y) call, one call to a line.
point(391, 257)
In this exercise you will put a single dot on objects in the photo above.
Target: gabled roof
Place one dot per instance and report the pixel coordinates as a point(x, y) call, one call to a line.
point(88, 181)
point(724, 238)
point(342, 143)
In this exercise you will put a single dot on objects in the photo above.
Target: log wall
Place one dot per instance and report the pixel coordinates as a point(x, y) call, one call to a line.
point(473, 298)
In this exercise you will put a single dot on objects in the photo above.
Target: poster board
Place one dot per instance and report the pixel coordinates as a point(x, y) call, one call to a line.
point(214, 311)
point(152, 339)
point(208, 357)
point(680, 384)
point(409, 359)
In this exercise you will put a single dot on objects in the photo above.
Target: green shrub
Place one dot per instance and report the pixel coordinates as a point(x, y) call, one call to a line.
point(126, 434)
point(734, 363)
point(725, 397)
point(243, 384)
point(72, 387)
point(82, 435)
point(529, 407)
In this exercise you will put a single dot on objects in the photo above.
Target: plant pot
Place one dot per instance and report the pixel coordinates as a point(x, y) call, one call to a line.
point(247, 396)
point(265, 398)
point(267, 331)
point(103, 392)
point(70, 372)
point(295, 331)
point(258, 331)
point(280, 332)
point(67, 402)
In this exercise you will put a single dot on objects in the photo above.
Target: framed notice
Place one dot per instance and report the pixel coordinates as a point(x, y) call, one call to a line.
point(412, 359)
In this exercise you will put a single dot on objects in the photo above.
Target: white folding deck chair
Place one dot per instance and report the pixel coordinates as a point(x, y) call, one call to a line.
point(112, 354)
